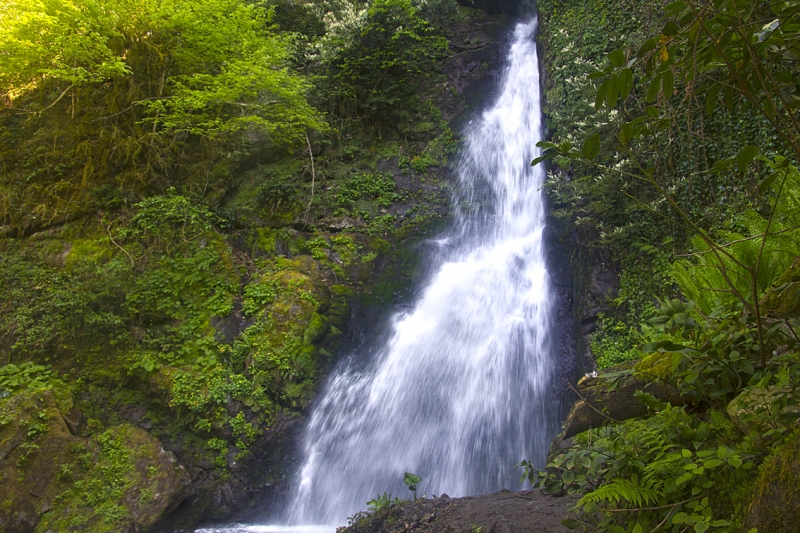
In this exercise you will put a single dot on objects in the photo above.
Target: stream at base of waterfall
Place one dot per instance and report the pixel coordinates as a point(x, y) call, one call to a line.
point(462, 390)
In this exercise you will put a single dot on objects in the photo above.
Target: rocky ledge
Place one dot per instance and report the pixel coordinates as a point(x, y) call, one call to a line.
point(501, 512)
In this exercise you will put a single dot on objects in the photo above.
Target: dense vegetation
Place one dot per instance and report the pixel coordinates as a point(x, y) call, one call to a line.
point(190, 200)
point(194, 193)
point(674, 141)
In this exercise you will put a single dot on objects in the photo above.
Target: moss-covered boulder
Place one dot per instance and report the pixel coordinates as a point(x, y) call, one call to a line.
point(52, 480)
point(760, 409)
point(775, 505)
point(600, 403)
point(34, 444)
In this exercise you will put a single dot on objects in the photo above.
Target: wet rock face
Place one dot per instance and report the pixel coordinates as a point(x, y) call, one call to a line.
point(52, 480)
point(471, 73)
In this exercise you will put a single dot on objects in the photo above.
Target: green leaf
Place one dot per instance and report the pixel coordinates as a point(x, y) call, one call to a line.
point(613, 92)
point(601, 95)
point(570, 523)
point(411, 479)
point(677, 305)
point(723, 165)
point(648, 45)
point(727, 97)
point(767, 183)
point(617, 58)
point(667, 346)
point(746, 156)
point(626, 83)
point(652, 89)
point(711, 99)
point(591, 146)
point(700, 527)
point(669, 84)
point(548, 154)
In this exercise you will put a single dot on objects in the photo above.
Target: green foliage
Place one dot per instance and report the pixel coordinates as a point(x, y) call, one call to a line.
point(362, 195)
point(382, 501)
point(145, 210)
point(257, 296)
point(672, 467)
point(377, 67)
point(613, 342)
point(220, 449)
point(25, 376)
point(56, 40)
point(751, 261)
point(669, 468)
point(737, 212)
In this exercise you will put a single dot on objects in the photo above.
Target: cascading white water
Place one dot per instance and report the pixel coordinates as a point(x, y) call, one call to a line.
point(462, 391)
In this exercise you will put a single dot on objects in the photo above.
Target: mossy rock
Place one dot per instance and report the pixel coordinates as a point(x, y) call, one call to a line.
point(52, 480)
point(34, 444)
point(119, 480)
point(775, 505)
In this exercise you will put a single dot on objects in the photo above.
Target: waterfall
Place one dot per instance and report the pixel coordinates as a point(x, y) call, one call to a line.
point(462, 389)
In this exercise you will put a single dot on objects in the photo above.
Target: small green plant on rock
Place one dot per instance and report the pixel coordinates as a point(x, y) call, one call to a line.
point(382, 501)
point(412, 480)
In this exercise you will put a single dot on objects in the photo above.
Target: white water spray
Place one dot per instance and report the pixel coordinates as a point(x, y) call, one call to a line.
point(462, 390)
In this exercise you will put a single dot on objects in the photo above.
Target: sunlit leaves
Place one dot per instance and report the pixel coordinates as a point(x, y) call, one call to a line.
point(56, 39)
point(222, 69)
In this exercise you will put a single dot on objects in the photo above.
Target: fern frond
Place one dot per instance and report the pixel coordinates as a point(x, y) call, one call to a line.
point(624, 490)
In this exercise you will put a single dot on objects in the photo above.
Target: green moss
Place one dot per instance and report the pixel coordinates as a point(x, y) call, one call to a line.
point(92, 250)
point(655, 366)
point(104, 473)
